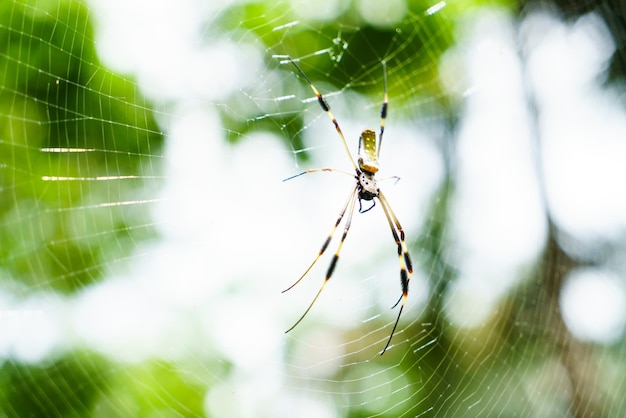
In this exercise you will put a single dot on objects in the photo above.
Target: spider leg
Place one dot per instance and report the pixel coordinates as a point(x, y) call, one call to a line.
point(333, 263)
point(317, 170)
point(350, 198)
point(406, 266)
point(396, 178)
point(396, 304)
point(383, 109)
point(326, 107)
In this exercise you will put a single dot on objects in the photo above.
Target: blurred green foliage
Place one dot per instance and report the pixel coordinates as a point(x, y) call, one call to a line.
point(411, 48)
point(67, 123)
point(82, 384)
point(67, 387)
point(152, 388)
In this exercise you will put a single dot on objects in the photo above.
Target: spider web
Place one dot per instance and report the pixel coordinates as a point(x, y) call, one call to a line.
point(146, 234)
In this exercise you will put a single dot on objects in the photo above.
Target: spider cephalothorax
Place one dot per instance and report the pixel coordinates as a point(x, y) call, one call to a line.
point(367, 187)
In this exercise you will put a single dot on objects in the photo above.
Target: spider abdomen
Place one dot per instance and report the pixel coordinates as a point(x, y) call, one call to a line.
point(368, 154)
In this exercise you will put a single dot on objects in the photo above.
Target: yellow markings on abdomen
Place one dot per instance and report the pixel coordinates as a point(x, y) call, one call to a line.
point(368, 160)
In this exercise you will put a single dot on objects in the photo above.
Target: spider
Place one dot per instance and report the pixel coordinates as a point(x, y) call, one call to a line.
point(365, 188)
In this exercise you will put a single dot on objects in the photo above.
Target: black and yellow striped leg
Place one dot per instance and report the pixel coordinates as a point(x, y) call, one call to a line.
point(383, 109)
point(326, 107)
point(349, 206)
point(406, 266)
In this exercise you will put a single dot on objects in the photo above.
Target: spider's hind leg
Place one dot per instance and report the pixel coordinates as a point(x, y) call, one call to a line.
point(349, 206)
point(406, 265)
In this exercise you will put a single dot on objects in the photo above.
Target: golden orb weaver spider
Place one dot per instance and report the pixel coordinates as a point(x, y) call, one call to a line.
point(365, 188)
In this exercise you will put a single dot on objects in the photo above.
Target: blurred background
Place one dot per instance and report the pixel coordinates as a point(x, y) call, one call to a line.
point(146, 233)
